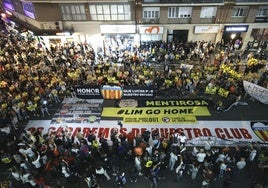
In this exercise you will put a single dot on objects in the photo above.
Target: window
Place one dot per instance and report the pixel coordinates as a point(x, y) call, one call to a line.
point(179, 12)
point(208, 12)
point(240, 11)
point(110, 12)
point(151, 12)
point(28, 10)
point(73, 12)
point(262, 12)
point(7, 4)
point(151, 1)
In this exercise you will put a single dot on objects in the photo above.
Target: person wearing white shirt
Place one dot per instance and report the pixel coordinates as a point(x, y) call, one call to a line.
point(149, 149)
point(175, 138)
point(25, 177)
point(172, 160)
point(194, 170)
point(221, 157)
point(240, 165)
point(138, 164)
point(180, 169)
point(15, 174)
point(27, 151)
point(182, 139)
point(32, 181)
point(44, 158)
point(208, 144)
point(223, 167)
point(65, 171)
point(36, 161)
point(252, 161)
point(252, 155)
point(195, 151)
point(200, 156)
point(100, 170)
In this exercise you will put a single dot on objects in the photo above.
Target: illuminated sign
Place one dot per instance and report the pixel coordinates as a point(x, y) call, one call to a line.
point(118, 29)
point(239, 28)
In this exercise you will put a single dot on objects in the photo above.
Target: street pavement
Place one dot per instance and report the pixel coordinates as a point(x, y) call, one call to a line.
point(242, 181)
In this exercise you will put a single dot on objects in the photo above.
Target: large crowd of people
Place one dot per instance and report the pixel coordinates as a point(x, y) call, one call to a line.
point(32, 76)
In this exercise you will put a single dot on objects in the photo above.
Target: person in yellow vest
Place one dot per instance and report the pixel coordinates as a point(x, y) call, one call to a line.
point(55, 95)
point(23, 110)
point(32, 108)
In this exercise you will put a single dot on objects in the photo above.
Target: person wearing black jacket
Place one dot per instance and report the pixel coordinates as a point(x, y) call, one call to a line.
point(227, 178)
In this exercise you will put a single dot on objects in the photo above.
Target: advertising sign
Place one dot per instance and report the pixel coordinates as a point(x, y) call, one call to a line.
point(113, 92)
point(236, 28)
point(206, 29)
point(152, 30)
point(109, 29)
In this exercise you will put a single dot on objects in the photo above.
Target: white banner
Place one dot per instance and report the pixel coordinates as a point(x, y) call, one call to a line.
point(257, 92)
point(221, 132)
point(186, 66)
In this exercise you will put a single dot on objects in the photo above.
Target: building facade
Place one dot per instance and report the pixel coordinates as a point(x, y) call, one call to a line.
point(137, 21)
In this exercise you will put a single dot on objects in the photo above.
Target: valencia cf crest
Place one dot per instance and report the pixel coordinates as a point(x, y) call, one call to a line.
point(260, 129)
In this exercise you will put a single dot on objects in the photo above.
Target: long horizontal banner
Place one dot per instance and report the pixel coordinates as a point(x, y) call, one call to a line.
point(113, 92)
point(222, 132)
point(122, 112)
point(160, 119)
point(170, 103)
point(75, 110)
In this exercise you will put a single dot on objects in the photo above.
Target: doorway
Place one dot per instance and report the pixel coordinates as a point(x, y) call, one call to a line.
point(177, 36)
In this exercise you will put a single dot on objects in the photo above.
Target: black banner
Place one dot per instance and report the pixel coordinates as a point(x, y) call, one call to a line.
point(113, 92)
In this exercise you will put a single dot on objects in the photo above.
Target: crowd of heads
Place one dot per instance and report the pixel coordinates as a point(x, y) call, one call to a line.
point(61, 160)
point(33, 76)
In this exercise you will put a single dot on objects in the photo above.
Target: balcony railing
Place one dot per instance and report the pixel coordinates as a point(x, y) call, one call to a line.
point(251, 1)
point(183, 1)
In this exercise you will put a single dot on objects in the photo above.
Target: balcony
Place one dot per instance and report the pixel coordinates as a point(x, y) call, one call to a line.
point(179, 21)
point(150, 21)
point(251, 1)
point(183, 1)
